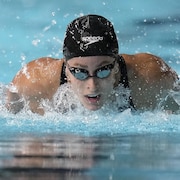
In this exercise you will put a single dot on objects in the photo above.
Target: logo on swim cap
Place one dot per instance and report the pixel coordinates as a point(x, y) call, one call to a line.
point(91, 39)
point(90, 35)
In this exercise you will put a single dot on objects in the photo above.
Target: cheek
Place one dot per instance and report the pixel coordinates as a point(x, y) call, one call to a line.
point(76, 85)
point(108, 84)
point(111, 79)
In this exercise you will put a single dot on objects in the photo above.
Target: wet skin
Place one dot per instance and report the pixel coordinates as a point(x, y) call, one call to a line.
point(92, 92)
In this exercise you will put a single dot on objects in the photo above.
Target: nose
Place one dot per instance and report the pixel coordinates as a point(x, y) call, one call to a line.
point(92, 83)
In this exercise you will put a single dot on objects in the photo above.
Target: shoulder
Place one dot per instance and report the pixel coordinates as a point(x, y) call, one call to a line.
point(35, 75)
point(39, 68)
point(150, 78)
point(149, 66)
point(142, 61)
point(37, 80)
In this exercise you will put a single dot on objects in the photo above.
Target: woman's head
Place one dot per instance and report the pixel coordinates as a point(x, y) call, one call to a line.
point(90, 50)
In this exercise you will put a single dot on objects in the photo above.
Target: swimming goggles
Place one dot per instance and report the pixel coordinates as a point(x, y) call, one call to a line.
point(83, 74)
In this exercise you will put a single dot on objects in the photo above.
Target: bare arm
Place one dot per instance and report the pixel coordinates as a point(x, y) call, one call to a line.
point(150, 80)
point(37, 80)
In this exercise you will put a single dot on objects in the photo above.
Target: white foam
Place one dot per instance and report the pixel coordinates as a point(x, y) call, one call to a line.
point(77, 120)
point(175, 93)
point(12, 88)
point(66, 101)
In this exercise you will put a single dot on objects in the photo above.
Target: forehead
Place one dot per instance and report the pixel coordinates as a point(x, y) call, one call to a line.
point(90, 61)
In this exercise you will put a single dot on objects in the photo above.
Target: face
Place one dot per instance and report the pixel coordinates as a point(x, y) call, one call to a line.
point(92, 91)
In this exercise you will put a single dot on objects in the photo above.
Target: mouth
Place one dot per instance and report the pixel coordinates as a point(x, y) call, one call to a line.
point(93, 98)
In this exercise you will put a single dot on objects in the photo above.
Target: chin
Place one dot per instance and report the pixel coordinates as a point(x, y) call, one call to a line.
point(93, 108)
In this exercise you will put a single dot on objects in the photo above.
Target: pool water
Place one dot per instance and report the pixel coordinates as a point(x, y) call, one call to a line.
point(65, 156)
point(98, 145)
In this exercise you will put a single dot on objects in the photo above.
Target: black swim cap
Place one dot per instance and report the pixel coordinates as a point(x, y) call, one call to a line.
point(90, 35)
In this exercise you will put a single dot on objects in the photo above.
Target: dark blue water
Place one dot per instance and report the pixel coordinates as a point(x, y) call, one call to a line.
point(90, 146)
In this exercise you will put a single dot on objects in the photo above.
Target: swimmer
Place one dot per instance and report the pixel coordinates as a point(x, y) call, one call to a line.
point(93, 67)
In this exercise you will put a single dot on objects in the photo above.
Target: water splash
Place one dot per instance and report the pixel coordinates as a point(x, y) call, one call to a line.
point(85, 122)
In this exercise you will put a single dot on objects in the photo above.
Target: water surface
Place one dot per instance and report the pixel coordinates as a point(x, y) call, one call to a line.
point(87, 146)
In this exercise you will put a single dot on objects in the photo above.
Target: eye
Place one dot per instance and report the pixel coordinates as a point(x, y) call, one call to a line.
point(103, 73)
point(77, 70)
point(80, 74)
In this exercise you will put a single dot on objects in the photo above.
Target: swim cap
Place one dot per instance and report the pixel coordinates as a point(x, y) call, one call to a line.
point(90, 35)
